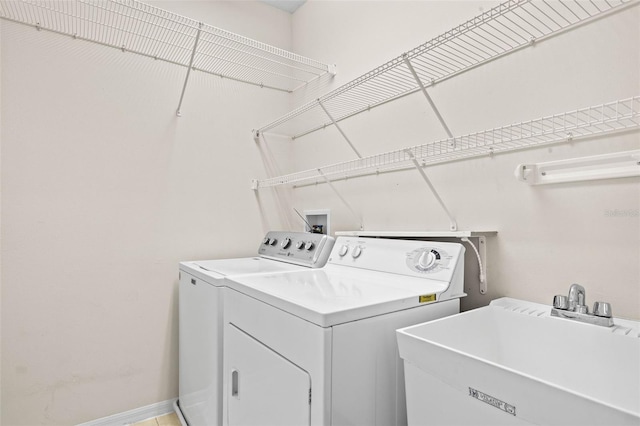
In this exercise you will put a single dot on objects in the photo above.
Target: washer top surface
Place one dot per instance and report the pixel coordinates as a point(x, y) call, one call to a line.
point(219, 269)
point(280, 251)
point(363, 278)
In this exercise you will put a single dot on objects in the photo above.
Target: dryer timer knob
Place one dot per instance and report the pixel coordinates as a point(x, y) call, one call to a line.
point(356, 252)
point(427, 260)
point(308, 246)
point(343, 250)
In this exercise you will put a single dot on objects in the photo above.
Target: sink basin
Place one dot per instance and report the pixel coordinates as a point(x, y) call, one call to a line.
point(512, 363)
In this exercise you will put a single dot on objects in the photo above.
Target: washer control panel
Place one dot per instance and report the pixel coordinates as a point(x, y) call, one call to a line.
point(302, 248)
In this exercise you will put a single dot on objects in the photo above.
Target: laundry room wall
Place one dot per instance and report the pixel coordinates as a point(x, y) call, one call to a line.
point(104, 191)
point(547, 236)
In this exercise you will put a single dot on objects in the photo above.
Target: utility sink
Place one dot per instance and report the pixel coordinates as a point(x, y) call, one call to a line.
point(511, 363)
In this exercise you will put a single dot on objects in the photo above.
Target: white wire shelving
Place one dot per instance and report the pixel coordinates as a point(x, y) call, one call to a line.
point(137, 27)
point(506, 28)
point(596, 120)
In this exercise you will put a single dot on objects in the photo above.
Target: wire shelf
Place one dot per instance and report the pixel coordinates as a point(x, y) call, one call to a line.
point(508, 27)
point(592, 121)
point(137, 27)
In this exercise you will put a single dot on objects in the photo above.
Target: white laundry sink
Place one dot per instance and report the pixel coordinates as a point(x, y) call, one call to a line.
point(512, 363)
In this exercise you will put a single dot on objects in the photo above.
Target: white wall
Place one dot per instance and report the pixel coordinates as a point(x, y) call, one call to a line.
point(104, 191)
point(548, 236)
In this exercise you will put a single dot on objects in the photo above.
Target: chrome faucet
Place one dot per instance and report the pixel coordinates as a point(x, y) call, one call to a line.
point(575, 307)
point(577, 299)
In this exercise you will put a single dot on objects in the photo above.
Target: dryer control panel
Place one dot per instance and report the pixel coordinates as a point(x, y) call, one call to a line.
point(301, 248)
point(429, 259)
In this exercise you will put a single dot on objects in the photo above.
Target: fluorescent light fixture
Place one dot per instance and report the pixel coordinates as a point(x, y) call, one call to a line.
point(606, 166)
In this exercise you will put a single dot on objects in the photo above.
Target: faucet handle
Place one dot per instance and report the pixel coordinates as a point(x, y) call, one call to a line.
point(602, 309)
point(561, 302)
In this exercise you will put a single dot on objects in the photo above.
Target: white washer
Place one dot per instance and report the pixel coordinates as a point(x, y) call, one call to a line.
point(201, 295)
point(318, 347)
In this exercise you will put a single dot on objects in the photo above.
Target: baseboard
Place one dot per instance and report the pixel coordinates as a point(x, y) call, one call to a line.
point(135, 415)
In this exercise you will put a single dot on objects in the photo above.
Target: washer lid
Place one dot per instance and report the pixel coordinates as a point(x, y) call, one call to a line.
point(335, 295)
point(219, 269)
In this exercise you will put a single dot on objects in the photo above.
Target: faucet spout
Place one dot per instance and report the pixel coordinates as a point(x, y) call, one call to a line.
point(577, 296)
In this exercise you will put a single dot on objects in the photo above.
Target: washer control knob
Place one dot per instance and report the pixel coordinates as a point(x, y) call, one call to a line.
point(308, 246)
point(266, 240)
point(427, 260)
point(343, 250)
point(356, 252)
point(300, 245)
point(273, 242)
point(285, 243)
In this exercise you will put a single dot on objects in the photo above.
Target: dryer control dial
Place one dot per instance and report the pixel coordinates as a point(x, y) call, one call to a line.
point(300, 245)
point(273, 241)
point(308, 246)
point(427, 260)
point(343, 250)
point(356, 252)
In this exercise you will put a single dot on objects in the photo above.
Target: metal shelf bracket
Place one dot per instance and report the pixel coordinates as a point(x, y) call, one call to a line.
point(405, 58)
point(452, 222)
point(338, 127)
point(186, 79)
point(333, 188)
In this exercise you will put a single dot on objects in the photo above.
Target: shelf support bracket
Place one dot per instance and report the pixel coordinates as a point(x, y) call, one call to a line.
point(333, 188)
point(452, 222)
point(186, 79)
point(405, 57)
point(339, 129)
point(481, 254)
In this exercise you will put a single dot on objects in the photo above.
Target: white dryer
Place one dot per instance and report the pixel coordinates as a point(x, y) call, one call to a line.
point(318, 347)
point(201, 295)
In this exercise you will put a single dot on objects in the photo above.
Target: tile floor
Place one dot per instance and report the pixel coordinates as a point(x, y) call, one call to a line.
point(167, 420)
